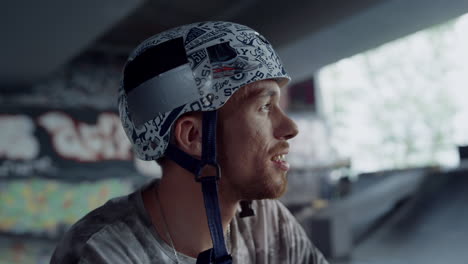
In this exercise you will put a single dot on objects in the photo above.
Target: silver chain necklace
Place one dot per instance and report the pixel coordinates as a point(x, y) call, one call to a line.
point(168, 234)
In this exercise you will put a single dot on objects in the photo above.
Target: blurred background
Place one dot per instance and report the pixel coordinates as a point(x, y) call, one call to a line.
point(379, 92)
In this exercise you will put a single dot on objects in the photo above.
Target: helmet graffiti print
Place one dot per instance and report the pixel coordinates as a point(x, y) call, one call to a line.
point(195, 67)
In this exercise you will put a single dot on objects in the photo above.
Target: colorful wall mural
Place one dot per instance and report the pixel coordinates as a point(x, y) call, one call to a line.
point(63, 153)
point(47, 207)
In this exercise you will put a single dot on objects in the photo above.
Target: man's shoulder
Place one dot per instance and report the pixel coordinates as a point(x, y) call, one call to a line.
point(113, 212)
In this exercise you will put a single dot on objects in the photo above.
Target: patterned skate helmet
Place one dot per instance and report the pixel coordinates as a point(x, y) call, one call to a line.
point(195, 67)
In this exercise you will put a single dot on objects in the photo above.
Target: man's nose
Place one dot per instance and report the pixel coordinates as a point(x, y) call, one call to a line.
point(287, 128)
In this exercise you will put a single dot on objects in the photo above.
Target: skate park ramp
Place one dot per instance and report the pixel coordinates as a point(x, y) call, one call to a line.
point(432, 227)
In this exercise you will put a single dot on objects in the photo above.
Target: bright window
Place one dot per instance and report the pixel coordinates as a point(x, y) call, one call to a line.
point(403, 104)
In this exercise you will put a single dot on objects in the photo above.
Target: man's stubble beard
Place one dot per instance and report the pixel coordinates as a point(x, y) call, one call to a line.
point(255, 189)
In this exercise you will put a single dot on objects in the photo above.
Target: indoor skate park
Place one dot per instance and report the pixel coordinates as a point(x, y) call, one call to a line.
point(379, 169)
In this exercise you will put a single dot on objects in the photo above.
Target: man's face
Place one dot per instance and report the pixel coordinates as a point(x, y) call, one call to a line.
point(252, 142)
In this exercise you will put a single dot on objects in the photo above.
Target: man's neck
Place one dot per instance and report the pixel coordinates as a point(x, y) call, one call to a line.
point(177, 210)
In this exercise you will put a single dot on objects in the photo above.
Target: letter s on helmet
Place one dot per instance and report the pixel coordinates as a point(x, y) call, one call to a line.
point(195, 67)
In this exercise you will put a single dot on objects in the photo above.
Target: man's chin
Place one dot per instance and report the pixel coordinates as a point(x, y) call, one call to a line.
point(266, 191)
point(275, 194)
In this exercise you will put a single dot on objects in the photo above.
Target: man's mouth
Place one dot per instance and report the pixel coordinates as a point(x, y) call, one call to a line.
point(280, 161)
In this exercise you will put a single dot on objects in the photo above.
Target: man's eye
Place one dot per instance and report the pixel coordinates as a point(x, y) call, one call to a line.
point(266, 107)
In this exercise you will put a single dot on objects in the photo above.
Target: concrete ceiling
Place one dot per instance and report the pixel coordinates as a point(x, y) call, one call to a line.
point(38, 37)
point(41, 36)
point(281, 23)
point(381, 23)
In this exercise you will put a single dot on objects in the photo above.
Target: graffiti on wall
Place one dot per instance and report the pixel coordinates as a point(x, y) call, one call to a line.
point(21, 251)
point(46, 207)
point(17, 139)
point(84, 142)
point(55, 144)
point(62, 154)
point(57, 165)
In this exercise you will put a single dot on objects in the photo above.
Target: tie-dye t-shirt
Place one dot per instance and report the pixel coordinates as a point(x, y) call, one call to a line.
point(121, 231)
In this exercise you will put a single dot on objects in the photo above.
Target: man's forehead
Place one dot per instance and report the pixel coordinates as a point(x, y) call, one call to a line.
point(265, 88)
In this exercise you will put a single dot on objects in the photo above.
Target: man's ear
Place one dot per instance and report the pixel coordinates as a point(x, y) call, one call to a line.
point(188, 134)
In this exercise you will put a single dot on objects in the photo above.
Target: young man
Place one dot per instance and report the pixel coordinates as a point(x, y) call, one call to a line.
point(203, 101)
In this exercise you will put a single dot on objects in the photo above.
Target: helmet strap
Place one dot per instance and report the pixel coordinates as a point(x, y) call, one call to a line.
point(217, 254)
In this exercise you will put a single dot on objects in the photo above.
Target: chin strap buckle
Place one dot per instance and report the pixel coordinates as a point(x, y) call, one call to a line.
point(246, 209)
point(207, 170)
